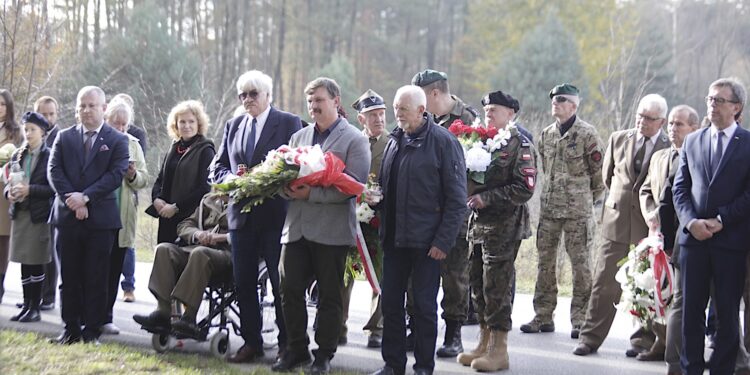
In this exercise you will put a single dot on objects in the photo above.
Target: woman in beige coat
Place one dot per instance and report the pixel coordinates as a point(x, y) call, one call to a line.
point(118, 115)
point(10, 132)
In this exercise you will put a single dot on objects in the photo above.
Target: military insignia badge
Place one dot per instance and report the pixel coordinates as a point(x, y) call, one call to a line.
point(596, 156)
point(525, 156)
point(529, 174)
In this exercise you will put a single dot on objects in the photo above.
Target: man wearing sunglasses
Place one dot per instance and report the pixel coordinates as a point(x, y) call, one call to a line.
point(246, 141)
point(624, 170)
point(570, 149)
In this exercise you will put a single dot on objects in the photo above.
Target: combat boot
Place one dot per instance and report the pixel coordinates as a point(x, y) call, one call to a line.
point(536, 325)
point(496, 357)
point(452, 344)
point(484, 338)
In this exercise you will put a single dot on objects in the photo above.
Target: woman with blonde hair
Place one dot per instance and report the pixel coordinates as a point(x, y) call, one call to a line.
point(183, 177)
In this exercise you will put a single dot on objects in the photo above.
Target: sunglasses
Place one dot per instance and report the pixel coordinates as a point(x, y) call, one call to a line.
point(250, 94)
point(560, 99)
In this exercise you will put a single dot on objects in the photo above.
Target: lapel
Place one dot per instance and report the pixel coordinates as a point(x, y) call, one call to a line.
point(99, 142)
point(705, 152)
point(379, 147)
point(736, 142)
point(335, 134)
point(630, 144)
point(269, 129)
point(661, 142)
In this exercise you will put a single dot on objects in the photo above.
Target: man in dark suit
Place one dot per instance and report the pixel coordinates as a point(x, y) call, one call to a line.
point(712, 199)
point(246, 141)
point(87, 165)
point(624, 170)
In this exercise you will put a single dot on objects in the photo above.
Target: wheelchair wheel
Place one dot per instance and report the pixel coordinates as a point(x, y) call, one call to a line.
point(162, 343)
point(220, 344)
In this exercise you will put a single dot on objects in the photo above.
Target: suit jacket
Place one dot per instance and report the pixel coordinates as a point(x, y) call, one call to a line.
point(653, 187)
point(328, 217)
point(50, 139)
point(376, 150)
point(698, 195)
point(97, 176)
point(277, 131)
point(622, 220)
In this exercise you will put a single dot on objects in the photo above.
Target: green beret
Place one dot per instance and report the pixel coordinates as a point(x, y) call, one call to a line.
point(564, 89)
point(428, 76)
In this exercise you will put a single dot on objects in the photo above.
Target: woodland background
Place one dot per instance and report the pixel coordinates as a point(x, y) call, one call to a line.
point(163, 52)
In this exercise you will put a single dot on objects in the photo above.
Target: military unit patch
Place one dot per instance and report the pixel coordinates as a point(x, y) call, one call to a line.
point(525, 156)
point(596, 156)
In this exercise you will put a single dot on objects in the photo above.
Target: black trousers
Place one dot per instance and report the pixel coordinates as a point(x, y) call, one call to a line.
point(116, 259)
point(84, 268)
point(398, 265)
point(301, 262)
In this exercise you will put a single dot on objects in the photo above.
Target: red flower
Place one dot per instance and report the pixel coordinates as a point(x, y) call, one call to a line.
point(491, 132)
point(456, 127)
point(634, 313)
point(375, 222)
point(482, 131)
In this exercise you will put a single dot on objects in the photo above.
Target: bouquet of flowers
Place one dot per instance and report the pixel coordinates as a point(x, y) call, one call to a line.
point(290, 166)
point(6, 152)
point(481, 146)
point(646, 280)
point(369, 255)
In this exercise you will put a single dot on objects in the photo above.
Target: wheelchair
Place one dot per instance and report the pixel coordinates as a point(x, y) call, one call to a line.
point(220, 313)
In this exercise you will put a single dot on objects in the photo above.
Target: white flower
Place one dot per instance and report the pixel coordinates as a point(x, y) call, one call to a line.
point(477, 158)
point(622, 274)
point(364, 213)
point(645, 280)
point(499, 140)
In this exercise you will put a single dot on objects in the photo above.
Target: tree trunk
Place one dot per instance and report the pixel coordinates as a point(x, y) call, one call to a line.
point(277, 76)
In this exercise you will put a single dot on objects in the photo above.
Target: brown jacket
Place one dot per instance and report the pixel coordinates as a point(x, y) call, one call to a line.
point(651, 191)
point(622, 220)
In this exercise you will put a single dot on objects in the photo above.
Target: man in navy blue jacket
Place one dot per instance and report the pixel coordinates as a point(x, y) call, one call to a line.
point(712, 199)
point(87, 164)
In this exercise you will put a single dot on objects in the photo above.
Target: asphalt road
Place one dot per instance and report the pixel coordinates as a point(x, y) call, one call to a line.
point(544, 353)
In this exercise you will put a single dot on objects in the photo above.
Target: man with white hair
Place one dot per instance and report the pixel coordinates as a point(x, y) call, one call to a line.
point(246, 141)
point(625, 167)
point(424, 188)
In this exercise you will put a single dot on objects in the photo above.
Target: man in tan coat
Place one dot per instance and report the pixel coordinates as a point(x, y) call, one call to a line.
point(625, 167)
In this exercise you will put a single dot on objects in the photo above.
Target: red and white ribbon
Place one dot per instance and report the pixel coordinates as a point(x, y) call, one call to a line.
point(364, 254)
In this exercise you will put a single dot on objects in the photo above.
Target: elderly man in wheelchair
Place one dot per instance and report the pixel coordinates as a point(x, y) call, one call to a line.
point(182, 271)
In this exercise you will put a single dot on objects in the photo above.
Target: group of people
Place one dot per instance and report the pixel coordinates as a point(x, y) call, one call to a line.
point(437, 227)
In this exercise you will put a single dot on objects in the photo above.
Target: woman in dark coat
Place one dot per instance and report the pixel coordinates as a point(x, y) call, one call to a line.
point(30, 196)
point(183, 178)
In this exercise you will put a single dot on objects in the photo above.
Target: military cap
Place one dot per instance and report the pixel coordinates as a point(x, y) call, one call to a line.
point(501, 98)
point(368, 101)
point(428, 76)
point(36, 119)
point(564, 89)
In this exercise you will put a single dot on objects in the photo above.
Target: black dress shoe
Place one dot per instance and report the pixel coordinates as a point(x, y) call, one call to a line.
point(634, 351)
point(20, 314)
point(583, 349)
point(187, 327)
point(46, 306)
point(154, 320)
point(32, 315)
point(66, 338)
point(20, 305)
point(321, 365)
point(291, 360)
point(246, 354)
point(575, 332)
point(374, 341)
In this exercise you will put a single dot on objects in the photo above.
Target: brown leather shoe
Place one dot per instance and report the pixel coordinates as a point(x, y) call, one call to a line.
point(583, 349)
point(246, 354)
point(650, 356)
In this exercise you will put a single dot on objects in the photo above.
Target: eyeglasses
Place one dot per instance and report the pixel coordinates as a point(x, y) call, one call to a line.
point(251, 94)
point(719, 100)
point(560, 99)
point(647, 118)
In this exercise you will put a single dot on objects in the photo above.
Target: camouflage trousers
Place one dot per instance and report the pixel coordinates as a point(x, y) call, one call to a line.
point(491, 275)
point(454, 272)
point(576, 245)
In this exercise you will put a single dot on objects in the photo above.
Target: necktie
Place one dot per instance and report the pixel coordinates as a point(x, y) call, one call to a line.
point(673, 164)
point(640, 155)
point(373, 140)
point(90, 136)
point(718, 152)
point(250, 146)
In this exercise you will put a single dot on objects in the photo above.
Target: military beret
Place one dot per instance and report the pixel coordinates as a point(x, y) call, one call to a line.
point(368, 101)
point(428, 76)
point(36, 119)
point(501, 98)
point(564, 89)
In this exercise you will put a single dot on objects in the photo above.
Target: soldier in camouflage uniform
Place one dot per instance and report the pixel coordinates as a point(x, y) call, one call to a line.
point(454, 271)
point(570, 150)
point(498, 222)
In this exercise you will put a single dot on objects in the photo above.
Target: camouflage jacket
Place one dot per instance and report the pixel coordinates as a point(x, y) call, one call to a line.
point(509, 184)
point(461, 110)
point(572, 167)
